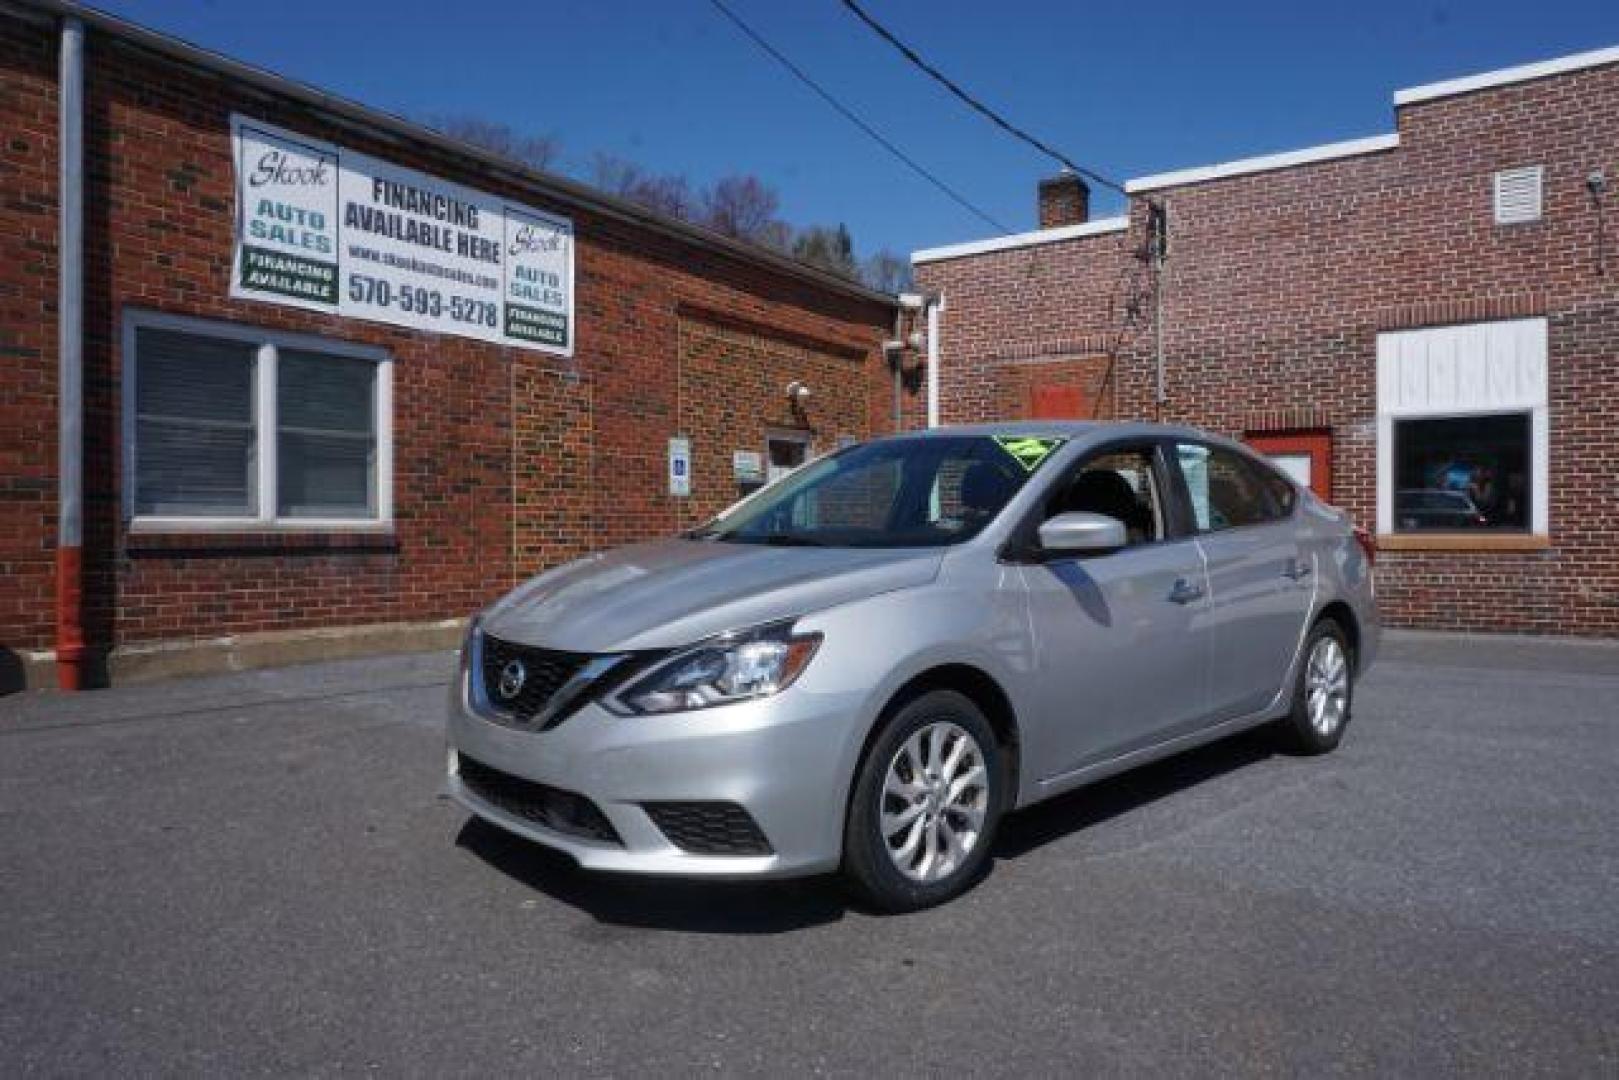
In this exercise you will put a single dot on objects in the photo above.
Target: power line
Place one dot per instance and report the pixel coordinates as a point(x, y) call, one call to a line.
point(849, 115)
point(996, 118)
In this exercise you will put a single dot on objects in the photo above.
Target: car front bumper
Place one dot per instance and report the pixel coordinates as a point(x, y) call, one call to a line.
point(785, 761)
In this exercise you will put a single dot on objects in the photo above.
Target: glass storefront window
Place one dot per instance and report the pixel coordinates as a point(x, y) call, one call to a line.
point(1465, 473)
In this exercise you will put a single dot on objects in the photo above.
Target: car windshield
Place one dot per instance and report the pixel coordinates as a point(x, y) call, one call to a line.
point(908, 492)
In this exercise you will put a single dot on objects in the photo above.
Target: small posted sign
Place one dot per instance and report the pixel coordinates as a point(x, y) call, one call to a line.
point(680, 466)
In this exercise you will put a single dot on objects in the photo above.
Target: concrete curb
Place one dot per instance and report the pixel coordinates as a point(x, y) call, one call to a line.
point(144, 662)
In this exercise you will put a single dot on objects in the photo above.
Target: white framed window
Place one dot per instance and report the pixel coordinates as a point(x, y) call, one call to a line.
point(230, 426)
point(1518, 195)
point(1462, 430)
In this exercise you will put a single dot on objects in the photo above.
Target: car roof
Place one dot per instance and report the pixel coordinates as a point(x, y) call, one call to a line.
point(1065, 429)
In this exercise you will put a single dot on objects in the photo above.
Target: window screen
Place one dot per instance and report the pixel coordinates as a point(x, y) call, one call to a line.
point(195, 432)
point(326, 436)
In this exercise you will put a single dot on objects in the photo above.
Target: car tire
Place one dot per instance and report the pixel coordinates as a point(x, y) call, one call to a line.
point(1323, 691)
point(920, 787)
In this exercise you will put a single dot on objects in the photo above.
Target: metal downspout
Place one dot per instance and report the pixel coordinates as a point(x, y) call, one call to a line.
point(70, 648)
point(934, 304)
point(897, 361)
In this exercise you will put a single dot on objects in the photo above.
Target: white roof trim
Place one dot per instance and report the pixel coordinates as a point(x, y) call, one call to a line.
point(1505, 76)
point(1244, 166)
point(1021, 240)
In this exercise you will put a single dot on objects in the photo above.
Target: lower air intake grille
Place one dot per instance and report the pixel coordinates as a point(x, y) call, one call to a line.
point(555, 809)
point(709, 828)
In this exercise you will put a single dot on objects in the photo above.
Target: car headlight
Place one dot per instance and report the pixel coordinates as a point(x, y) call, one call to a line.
point(737, 667)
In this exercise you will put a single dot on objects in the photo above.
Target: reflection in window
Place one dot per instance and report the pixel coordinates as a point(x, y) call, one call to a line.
point(919, 491)
point(1226, 491)
point(326, 436)
point(857, 499)
point(1462, 473)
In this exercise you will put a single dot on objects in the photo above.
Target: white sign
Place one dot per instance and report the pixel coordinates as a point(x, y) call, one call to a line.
point(328, 229)
point(748, 465)
point(679, 466)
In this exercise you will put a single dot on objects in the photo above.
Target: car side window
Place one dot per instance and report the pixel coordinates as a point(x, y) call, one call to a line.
point(1224, 490)
point(1119, 483)
point(1283, 495)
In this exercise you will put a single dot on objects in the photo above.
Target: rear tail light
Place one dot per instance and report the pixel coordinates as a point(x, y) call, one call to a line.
point(1368, 544)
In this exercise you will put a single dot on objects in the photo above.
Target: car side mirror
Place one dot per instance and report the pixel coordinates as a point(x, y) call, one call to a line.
point(1080, 532)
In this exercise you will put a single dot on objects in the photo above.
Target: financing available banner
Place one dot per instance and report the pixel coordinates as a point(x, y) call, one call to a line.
point(328, 229)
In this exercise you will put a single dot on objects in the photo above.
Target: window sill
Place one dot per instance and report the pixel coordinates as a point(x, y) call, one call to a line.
point(1461, 541)
point(150, 538)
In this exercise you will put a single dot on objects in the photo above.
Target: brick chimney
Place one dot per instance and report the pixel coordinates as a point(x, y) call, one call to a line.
point(1064, 200)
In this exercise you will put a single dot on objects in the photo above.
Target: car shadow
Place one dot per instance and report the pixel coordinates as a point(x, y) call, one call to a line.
point(1086, 807)
point(775, 907)
point(653, 903)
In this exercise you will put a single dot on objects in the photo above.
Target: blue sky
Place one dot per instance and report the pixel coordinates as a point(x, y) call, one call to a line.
point(1128, 89)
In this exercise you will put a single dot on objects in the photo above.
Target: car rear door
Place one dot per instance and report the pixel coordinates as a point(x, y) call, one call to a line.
point(1261, 577)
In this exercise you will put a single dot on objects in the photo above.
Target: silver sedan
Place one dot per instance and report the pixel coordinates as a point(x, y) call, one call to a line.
point(865, 665)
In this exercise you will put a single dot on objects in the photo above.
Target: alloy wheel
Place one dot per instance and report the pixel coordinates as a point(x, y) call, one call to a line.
point(934, 801)
point(1326, 686)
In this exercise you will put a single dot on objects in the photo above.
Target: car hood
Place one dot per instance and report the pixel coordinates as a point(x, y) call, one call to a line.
point(675, 592)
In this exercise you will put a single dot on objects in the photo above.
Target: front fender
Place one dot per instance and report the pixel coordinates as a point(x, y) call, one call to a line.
point(879, 645)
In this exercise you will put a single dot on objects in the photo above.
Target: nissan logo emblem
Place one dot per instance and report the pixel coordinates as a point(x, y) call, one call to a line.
point(512, 677)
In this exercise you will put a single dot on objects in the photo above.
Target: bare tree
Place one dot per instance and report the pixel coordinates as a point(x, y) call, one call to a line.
point(664, 193)
point(535, 151)
point(887, 272)
point(740, 206)
point(829, 248)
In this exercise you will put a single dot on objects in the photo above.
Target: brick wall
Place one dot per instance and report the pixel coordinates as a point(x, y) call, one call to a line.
point(505, 460)
point(1278, 284)
point(27, 333)
point(733, 377)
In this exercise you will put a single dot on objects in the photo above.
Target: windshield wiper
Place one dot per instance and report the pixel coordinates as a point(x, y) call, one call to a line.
point(781, 540)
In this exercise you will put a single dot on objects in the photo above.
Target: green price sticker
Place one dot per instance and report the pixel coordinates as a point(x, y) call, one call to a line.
point(1029, 452)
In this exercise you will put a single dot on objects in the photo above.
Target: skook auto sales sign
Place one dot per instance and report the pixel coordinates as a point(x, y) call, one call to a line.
point(328, 229)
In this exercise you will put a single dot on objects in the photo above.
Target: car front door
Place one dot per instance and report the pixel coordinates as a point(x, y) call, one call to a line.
point(1261, 579)
point(1119, 652)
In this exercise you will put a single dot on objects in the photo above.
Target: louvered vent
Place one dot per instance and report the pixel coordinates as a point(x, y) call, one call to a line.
point(1517, 195)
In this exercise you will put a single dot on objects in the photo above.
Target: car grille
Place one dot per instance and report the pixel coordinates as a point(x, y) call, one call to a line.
point(709, 828)
point(555, 809)
point(545, 671)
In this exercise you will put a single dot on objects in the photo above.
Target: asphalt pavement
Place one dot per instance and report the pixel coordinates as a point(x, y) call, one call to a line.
point(253, 874)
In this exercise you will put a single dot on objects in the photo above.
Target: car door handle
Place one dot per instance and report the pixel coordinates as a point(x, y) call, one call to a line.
point(1297, 570)
point(1184, 592)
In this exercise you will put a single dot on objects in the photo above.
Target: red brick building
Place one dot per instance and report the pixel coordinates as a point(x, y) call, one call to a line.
point(269, 474)
point(1424, 325)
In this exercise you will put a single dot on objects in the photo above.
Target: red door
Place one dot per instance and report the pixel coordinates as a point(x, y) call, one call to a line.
point(1306, 456)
